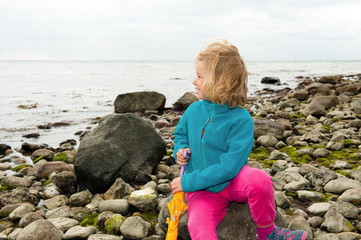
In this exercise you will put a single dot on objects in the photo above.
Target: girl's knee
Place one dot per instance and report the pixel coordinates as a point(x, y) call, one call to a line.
point(199, 229)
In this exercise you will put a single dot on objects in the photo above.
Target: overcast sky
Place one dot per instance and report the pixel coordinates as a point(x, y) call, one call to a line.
point(177, 29)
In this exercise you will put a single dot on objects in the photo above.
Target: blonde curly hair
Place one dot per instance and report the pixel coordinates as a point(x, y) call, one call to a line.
point(227, 75)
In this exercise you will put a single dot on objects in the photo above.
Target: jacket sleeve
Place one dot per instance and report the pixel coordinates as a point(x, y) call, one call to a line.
point(181, 135)
point(239, 143)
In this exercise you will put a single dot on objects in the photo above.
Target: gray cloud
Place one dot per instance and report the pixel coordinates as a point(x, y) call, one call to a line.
point(176, 29)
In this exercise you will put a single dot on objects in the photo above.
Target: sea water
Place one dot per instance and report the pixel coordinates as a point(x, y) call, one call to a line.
point(76, 92)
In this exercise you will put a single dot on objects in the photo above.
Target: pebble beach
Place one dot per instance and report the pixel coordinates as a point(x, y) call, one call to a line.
point(307, 138)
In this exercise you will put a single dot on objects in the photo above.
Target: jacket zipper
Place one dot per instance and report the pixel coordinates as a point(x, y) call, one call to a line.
point(202, 136)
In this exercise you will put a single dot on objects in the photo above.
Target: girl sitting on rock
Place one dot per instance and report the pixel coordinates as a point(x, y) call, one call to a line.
point(217, 134)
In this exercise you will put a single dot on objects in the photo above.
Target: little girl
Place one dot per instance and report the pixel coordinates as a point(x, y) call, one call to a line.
point(217, 134)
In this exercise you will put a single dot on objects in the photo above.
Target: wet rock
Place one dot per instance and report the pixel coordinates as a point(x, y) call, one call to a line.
point(271, 80)
point(3, 148)
point(43, 169)
point(330, 79)
point(185, 101)
point(139, 102)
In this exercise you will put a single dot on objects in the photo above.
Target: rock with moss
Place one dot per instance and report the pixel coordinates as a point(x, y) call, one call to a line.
point(66, 156)
point(145, 199)
point(335, 222)
point(113, 224)
point(21, 166)
point(102, 217)
point(44, 153)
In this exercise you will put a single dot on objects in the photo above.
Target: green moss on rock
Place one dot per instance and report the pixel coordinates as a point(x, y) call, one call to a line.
point(18, 168)
point(259, 154)
point(90, 221)
point(112, 225)
point(60, 157)
point(38, 159)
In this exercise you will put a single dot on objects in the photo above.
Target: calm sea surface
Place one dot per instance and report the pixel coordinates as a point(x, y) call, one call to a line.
point(39, 92)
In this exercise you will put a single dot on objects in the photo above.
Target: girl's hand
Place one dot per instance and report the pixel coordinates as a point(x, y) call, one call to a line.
point(180, 156)
point(176, 185)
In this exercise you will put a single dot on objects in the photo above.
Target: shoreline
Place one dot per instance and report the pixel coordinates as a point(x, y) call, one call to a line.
point(308, 139)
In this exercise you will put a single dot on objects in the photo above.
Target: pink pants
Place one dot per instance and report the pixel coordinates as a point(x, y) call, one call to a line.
point(207, 209)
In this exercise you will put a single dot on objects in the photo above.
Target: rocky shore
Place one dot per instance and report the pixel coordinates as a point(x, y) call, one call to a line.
point(116, 184)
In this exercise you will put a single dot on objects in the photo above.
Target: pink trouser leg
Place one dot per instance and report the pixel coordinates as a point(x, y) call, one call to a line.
point(205, 212)
point(256, 187)
point(206, 209)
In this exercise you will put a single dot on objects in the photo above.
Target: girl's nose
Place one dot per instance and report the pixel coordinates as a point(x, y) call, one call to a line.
point(194, 81)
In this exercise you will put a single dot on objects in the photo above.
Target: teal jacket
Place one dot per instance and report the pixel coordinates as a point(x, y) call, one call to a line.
point(220, 154)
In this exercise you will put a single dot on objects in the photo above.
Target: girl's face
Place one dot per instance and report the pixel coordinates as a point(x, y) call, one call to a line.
point(198, 82)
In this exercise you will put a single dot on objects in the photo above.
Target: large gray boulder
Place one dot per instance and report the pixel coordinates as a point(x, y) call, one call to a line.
point(122, 145)
point(139, 102)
